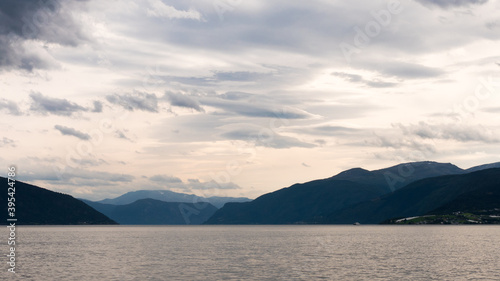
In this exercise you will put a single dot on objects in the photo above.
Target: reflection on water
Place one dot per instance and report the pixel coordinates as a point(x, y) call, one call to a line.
point(258, 253)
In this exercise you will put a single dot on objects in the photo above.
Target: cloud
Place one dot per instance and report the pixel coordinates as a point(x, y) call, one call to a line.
point(7, 142)
point(178, 99)
point(218, 77)
point(165, 179)
point(67, 131)
point(241, 76)
point(160, 10)
point(451, 3)
point(397, 141)
point(89, 162)
point(121, 135)
point(355, 78)
point(10, 106)
point(135, 101)
point(461, 133)
point(262, 136)
point(195, 184)
point(406, 70)
point(254, 106)
point(327, 130)
point(53, 173)
point(97, 106)
point(46, 21)
point(44, 105)
point(491, 109)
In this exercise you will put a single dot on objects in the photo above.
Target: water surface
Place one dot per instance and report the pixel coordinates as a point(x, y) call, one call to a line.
point(257, 253)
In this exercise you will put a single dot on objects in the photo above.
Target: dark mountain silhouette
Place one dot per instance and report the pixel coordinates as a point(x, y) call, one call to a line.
point(39, 206)
point(482, 199)
point(483, 167)
point(400, 175)
point(156, 212)
point(312, 202)
point(477, 190)
point(170, 196)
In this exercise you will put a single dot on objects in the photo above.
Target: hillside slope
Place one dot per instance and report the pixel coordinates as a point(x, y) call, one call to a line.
point(156, 212)
point(445, 193)
point(312, 201)
point(38, 206)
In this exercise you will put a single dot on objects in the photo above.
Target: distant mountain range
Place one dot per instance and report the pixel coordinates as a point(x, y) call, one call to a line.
point(156, 212)
point(39, 206)
point(419, 192)
point(445, 194)
point(358, 195)
point(170, 196)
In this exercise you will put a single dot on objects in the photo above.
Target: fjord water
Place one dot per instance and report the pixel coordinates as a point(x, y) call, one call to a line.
point(257, 253)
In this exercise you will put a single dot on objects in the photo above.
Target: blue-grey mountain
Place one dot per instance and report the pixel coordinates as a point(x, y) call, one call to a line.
point(313, 202)
point(156, 212)
point(471, 192)
point(170, 196)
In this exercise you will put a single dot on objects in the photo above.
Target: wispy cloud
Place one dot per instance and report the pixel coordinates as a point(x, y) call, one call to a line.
point(451, 132)
point(45, 105)
point(452, 3)
point(67, 131)
point(7, 142)
point(97, 106)
point(178, 99)
point(262, 136)
point(135, 101)
point(159, 9)
point(355, 78)
point(165, 179)
point(10, 107)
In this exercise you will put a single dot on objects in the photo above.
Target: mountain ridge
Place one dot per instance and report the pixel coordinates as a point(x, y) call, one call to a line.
point(306, 202)
point(315, 201)
point(170, 196)
point(35, 205)
point(155, 212)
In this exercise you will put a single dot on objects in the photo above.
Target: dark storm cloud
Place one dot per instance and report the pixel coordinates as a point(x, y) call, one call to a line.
point(67, 131)
point(451, 3)
point(47, 21)
point(178, 99)
point(44, 105)
point(135, 101)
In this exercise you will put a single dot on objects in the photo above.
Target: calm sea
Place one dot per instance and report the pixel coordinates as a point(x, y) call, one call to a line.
point(256, 253)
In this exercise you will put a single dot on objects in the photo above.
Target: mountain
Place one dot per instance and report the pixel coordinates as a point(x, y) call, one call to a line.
point(312, 201)
point(476, 190)
point(483, 167)
point(156, 212)
point(400, 175)
point(170, 196)
point(39, 206)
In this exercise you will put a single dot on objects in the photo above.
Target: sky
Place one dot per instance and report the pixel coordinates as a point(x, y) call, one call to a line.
point(240, 98)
